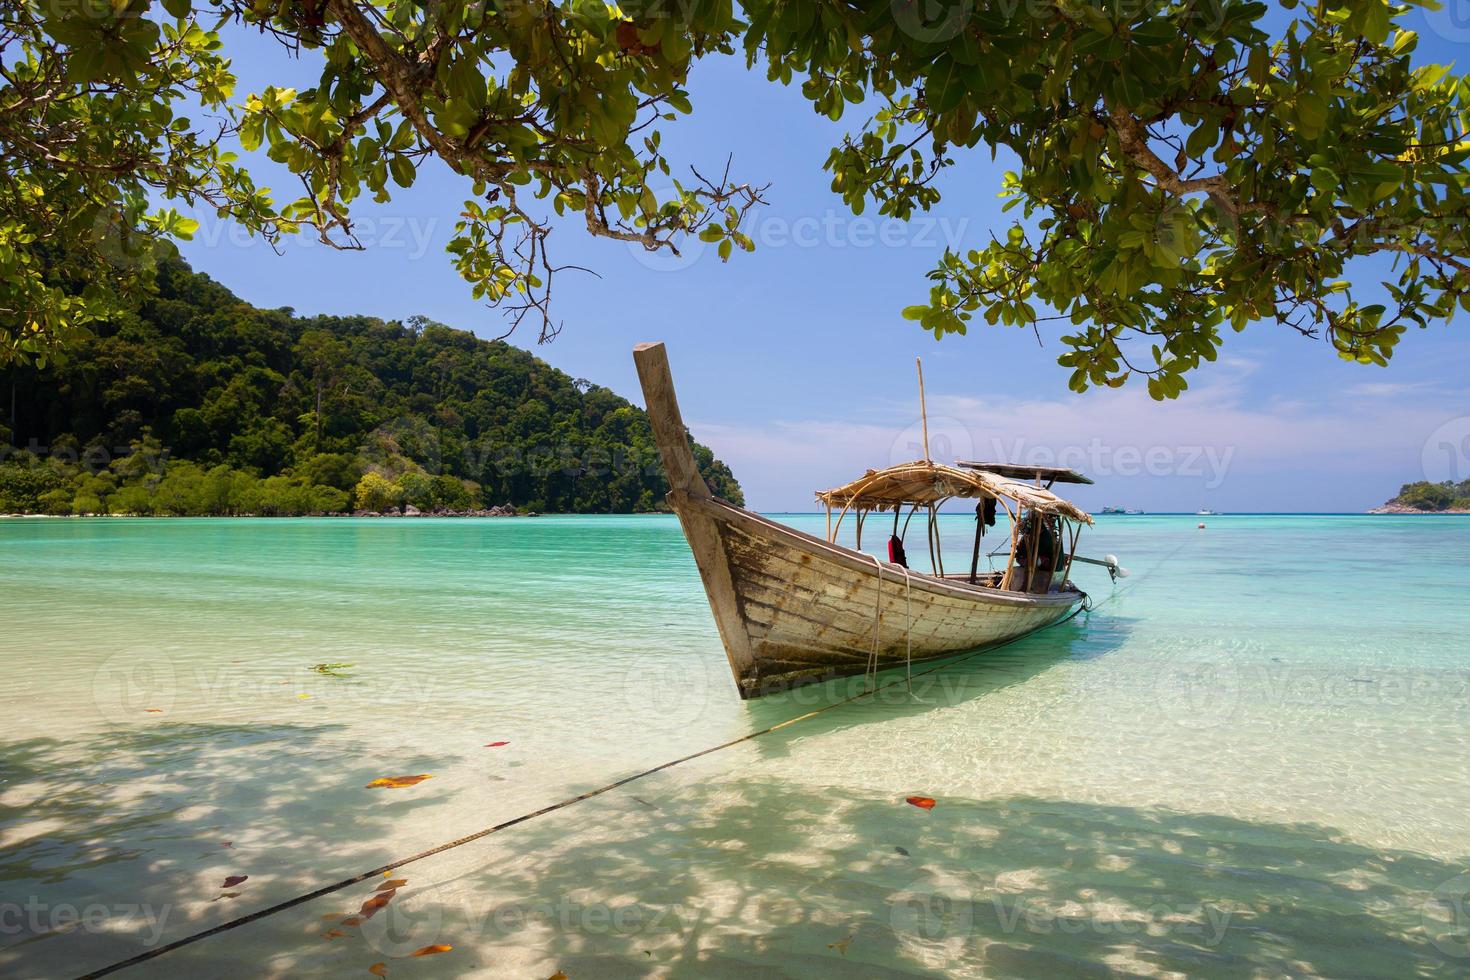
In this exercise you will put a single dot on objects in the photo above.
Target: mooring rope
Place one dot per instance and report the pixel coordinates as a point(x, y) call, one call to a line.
point(336, 886)
point(872, 667)
point(908, 628)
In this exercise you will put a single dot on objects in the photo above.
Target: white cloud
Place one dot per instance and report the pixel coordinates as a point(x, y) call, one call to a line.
point(1347, 451)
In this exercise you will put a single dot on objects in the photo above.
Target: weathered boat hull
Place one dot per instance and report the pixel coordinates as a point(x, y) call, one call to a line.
point(792, 608)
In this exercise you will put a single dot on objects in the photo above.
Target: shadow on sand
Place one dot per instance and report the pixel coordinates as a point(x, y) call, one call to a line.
point(742, 877)
point(111, 840)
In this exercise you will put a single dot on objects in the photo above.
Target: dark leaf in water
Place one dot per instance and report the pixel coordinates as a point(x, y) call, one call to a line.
point(902, 851)
point(495, 745)
point(234, 880)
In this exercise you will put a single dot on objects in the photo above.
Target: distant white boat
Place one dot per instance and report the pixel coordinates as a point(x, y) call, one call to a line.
point(1205, 512)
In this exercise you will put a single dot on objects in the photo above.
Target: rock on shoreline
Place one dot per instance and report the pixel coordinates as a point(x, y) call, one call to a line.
point(1396, 508)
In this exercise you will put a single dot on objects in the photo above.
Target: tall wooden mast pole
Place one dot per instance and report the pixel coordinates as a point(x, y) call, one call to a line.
point(923, 409)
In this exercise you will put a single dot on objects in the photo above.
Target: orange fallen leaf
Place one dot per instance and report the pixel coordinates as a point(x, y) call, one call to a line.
point(154, 711)
point(333, 934)
point(352, 920)
point(234, 880)
point(431, 950)
point(330, 915)
point(376, 904)
point(495, 745)
point(558, 975)
point(922, 802)
point(392, 883)
point(397, 782)
point(379, 969)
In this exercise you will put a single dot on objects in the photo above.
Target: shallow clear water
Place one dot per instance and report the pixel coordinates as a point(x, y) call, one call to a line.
point(1250, 759)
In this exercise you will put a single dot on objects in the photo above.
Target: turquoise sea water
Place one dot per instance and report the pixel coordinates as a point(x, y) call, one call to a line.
point(1249, 760)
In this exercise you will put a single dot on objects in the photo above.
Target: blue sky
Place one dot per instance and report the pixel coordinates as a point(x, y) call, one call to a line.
point(794, 365)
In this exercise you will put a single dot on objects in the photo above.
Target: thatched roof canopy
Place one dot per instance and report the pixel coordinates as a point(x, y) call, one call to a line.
point(925, 483)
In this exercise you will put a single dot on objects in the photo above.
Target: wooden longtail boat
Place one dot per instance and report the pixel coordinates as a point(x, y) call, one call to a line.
point(792, 607)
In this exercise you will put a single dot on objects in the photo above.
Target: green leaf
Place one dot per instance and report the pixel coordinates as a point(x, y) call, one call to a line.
point(1376, 21)
point(1311, 111)
point(945, 85)
point(402, 169)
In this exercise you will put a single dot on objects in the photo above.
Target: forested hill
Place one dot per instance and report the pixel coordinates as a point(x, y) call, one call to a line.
point(202, 403)
point(1431, 498)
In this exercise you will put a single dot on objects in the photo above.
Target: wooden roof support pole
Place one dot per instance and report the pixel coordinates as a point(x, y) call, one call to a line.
point(929, 528)
point(979, 533)
point(1075, 529)
point(1033, 545)
point(938, 542)
point(1005, 579)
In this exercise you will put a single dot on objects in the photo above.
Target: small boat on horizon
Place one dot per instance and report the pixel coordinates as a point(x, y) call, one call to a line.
point(793, 608)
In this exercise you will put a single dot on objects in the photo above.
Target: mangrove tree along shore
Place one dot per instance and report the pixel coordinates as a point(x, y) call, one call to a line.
point(200, 403)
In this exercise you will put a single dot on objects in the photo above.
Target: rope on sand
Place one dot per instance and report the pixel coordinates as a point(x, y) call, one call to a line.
point(337, 886)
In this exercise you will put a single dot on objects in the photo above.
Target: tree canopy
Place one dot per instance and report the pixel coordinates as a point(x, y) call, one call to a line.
point(1184, 165)
point(200, 403)
point(1424, 495)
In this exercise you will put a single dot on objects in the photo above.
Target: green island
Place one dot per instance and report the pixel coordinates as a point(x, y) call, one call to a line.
point(201, 404)
point(1426, 497)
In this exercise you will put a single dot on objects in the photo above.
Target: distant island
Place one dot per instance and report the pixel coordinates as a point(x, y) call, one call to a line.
point(1425, 497)
point(201, 404)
